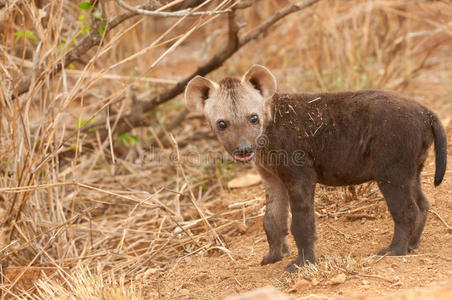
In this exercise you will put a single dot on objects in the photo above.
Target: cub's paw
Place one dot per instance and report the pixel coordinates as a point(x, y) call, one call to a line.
point(298, 263)
point(293, 267)
point(274, 256)
point(390, 251)
point(413, 246)
point(271, 258)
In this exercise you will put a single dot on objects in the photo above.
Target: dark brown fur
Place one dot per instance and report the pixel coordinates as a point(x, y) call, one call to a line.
point(330, 138)
point(348, 138)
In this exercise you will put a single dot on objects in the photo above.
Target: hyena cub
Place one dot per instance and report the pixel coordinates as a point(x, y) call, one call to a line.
point(299, 140)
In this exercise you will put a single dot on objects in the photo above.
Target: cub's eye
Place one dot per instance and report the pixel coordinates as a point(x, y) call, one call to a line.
point(254, 119)
point(222, 125)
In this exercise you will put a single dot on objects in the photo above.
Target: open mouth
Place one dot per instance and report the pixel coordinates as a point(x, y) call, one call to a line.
point(244, 159)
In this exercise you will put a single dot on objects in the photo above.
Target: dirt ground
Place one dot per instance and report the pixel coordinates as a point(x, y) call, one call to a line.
point(350, 232)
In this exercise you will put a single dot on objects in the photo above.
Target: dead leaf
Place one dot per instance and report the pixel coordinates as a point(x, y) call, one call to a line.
point(184, 292)
point(299, 286)
point(246, 180)
point(26, 276)
point(240, 227)
point(338, 279)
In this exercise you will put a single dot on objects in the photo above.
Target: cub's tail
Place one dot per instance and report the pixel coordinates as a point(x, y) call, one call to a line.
point(440, 149)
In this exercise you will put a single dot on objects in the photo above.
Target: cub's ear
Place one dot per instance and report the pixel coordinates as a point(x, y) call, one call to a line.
point(197, 92)
point(261, 79)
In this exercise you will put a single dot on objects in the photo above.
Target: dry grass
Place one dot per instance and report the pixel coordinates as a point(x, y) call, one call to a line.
point(92, 283)
point(120, 207)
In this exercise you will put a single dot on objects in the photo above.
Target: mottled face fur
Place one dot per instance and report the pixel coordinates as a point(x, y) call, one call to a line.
point(235, 109)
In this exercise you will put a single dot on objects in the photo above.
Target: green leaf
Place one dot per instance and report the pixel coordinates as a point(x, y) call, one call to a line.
point(127, 139)
point(85, 5)
point(85, 29)
point(83, 122)
point(28, 34)
point(124, 138)
point(97, 14)
point(19, 35)
point(102, 28)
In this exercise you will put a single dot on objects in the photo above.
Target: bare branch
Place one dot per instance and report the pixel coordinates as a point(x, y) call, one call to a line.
point(217, 60)
point(130, 120)
point(275, 18)
point(89, 41)
point(135, 119)
point(245, 4)
point(127, 15)
point(180, 13)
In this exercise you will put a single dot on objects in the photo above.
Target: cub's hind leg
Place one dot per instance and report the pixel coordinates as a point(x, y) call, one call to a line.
point(423, 206)
point(405, 213)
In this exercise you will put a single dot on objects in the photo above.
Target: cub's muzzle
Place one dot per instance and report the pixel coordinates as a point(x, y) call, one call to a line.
point(244, 153)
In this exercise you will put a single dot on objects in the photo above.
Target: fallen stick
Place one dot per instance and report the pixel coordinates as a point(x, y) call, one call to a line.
point(449, 229)
point(337, 230)
point(359, 217)
point(356, 209)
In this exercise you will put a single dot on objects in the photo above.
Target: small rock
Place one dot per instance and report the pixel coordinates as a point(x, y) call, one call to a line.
point(246, 180)
point(338, 279)
point(264, 293)
point(365, 282)
point(299, 286)
point(315, 281)
point(426, 261)
point(397, 284)
point(184, 292)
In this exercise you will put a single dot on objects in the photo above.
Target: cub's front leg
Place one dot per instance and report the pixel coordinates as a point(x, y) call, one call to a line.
point(301, 194)
point(276, 219)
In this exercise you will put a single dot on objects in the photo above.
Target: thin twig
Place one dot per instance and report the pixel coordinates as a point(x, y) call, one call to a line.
point(449, 229)
point(355, 210)
point(337, 230)
point(365, 275)
point(193, 200)
point(180, 13)
point(89, 41)
point(374, 276)
point(131, 120)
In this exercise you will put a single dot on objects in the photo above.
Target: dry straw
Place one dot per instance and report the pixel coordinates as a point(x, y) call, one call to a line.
point(107, 212)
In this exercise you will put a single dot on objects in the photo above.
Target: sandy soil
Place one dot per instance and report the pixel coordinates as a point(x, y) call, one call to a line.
point(346, 244)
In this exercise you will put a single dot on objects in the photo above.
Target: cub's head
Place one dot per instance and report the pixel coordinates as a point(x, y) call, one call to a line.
point(235, 109)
